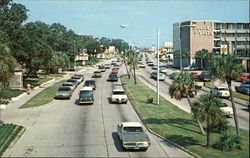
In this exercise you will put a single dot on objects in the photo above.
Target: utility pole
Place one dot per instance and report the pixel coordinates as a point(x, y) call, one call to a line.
point(158, 92)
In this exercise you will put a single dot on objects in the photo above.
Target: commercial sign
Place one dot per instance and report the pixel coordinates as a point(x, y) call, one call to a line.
point(223, 49)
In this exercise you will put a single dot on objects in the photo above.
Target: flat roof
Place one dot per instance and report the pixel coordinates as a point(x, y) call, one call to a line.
point(131, 124)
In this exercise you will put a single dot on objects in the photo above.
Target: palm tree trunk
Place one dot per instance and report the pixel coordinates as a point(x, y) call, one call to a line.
point(208, 132)
point(234, 108)
point(134, 73)
point(126, 68)
point(197, 120)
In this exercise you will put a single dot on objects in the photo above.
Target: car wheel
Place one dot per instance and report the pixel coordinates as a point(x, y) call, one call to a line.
point(122, 145)
point(145, 149)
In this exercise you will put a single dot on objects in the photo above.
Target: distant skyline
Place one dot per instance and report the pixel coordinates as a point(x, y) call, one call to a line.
point(141, 18)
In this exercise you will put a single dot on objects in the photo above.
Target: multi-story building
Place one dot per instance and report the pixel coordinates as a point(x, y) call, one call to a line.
point(215, 36)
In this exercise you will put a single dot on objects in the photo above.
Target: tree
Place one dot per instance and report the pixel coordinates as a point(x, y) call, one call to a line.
point(181, 87)
point(225, 68)
point(7, 64)
point(204, 56)
point(206, 109)
point(124, 55)
point(132, 61)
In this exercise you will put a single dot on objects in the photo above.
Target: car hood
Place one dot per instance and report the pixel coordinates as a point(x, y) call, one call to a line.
point(226, 109)
point(135, 137)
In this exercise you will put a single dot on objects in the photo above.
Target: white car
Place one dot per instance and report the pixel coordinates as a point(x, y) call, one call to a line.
point(118, 95)
point(222, 92)
point(142, 65)
point(163, 70)
point(226, 110)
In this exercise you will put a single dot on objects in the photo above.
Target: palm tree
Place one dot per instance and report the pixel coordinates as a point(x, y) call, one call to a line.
point(7, 64)
point(225, 68)
point(202, 55)
point(181, 87)
point(132, 61)
point(206, 109)
point(124, 55)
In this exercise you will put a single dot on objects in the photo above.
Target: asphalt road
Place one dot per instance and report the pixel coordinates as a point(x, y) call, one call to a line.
point(144, 75)
point(63, 128)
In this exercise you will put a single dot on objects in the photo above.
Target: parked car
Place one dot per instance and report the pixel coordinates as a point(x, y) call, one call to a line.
point(161, 76)
point(174, 75)
point(133, 136)
point(69, 84)
point(112, 77)
point(195, 75)
point(90, 83)
point(74, 81)
point(113, 62)
point(118, 95)
point(79, 76)
point(150, 63)
point(246, 81)
point(154, 67)
point(243, 77)
point(163, 70)
point(97, 74)
point(190, 68)
point(86, 95)
point(222, 92)
point(153, 75)
point(63, 93)
point(243, 88)
point(142, 65)
point(226, 110)
point(205, 77)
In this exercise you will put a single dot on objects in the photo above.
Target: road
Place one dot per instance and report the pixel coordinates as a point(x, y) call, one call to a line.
point(64, 129)
point(144, 75)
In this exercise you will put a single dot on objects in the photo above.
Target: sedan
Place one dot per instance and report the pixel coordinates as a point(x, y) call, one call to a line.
point(142, 65)
point(63, 92)
point(74, 81)
point(69, 84)
point(174, 75)
point(97, 74)
point(243, 88)
point(112, 77)
point(90, 83)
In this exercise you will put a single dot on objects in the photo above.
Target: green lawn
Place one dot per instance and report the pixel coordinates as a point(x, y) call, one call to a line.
point(175, 124)
point(8, 132)
point(44, 97)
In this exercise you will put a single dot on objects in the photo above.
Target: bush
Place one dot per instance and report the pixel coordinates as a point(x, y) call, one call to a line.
point(4, 102)
point(8, 93)
point(221, 127)
point(228, 142)
point(150, 99)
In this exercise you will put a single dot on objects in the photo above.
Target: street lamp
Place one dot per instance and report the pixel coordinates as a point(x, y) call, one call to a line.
point(158, 91)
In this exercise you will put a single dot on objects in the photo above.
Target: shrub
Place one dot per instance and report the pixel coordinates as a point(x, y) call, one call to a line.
point(150, 99)
point(228, 142)
point(4, 102)
point(8, 93)
point(221, 127)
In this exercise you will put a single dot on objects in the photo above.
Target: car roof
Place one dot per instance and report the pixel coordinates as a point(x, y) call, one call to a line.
point(221, 87)
point(131, 124)
point(86, 88)
point(89, 81)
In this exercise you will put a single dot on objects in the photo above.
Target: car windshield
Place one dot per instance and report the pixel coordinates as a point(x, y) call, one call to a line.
point(72, 80)
point(86, 94)
point(118, 92)
point(67, 84)
point(64, 89)
point(132, 129)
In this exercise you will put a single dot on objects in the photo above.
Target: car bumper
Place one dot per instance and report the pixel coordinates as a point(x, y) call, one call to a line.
point(62, 97)
point(119, 101)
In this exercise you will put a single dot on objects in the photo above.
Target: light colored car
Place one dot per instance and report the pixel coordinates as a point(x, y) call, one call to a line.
point(142, 65)
point(163, 70)
point(107, 66)
point(226, 110)
point(133, 136)
point(118, 95)
point(63, 92)
point(154, 67)
point(69, 84)
point(222, 92)
point(97, 74)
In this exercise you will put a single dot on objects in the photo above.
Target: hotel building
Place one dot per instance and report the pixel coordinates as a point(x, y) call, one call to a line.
point(215, 36)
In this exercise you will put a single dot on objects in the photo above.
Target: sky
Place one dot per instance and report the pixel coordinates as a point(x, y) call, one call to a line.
point(102, 18)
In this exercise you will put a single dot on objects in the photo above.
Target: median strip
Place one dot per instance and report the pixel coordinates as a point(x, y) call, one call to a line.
point(174, 124)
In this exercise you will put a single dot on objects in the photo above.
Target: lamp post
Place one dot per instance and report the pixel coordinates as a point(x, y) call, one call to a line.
point(158, 91)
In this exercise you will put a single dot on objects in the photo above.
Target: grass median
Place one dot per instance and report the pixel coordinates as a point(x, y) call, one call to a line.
point(44, 97)
point(176, 125)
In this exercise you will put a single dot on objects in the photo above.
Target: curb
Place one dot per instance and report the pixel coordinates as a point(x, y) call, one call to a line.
point(158, 135)
point(18, 97)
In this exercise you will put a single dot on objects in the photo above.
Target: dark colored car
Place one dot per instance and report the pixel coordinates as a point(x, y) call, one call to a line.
point(243, 88)
point(112, 77)
point(90, 83)
point(205, 77)
point(174, 75)
point(243, 77)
